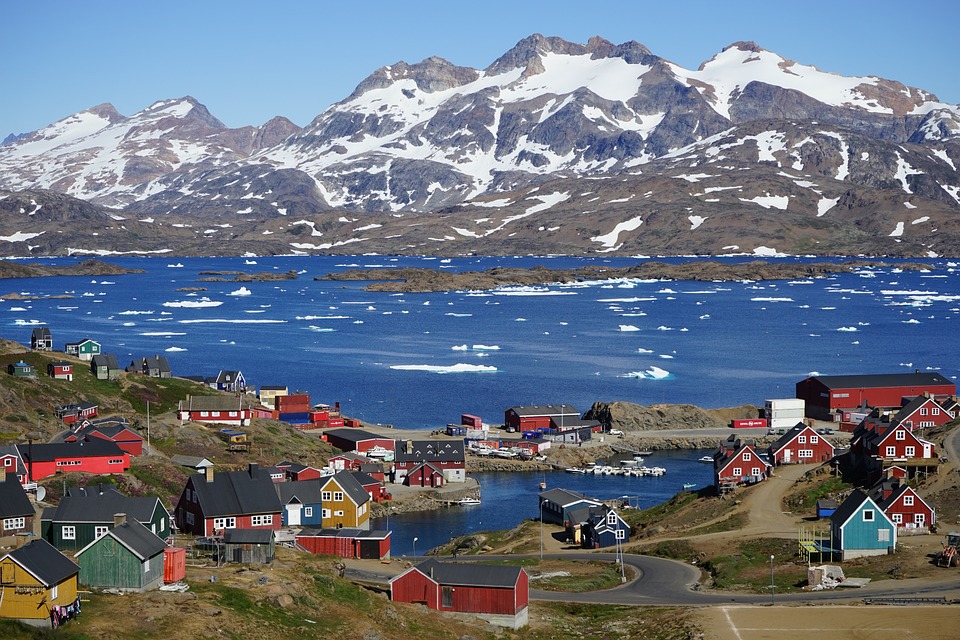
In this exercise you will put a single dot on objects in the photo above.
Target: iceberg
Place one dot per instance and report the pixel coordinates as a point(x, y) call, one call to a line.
point(455, 368)
point(242, 291)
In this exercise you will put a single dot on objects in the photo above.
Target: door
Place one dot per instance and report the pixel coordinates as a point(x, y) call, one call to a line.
point(787, 456)
point(293, 514)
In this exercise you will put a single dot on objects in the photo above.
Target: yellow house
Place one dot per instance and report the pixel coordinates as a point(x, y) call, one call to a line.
point(344, 501)
point(38, 585)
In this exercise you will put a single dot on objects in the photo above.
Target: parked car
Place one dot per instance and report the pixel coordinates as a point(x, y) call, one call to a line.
point(616, 432)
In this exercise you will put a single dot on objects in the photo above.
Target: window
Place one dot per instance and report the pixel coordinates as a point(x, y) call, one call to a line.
point(189, 518)
point(261, 521)
point(746, 456)
point(891, 452)
point(919, 518)
point(801, 439)
point(99, 531)
point(224, 523)
point(737, 472)
point(868, 515)
point(163, 524)
point(898, 518)
point(910, 451)
point(805, 453)
point(325, 496)
point(54, 592)
point(204, 414)
point(621, 534)
point(8, 462)
point(883, 535)
point(308, 512)
point(923, 411)
point(908, 501)
point(901, 434)
point(338, 496)
point(755, 471)
point(146, 565)
point(935, 411)
point(11, 524)
point(187, 494)
point(115, 461)
point(325, 513)
point(338, 513)
point(68, 532)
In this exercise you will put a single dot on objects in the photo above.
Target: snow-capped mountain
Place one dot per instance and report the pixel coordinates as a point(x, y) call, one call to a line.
point(555, 146)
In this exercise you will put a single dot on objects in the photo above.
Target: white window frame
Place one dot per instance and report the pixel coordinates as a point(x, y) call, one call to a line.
point(54, 592)
point(338, 496)
point(814, 439)
point(910, 451)
point(923, 411)
point(338, 513)
point(897, 518)
point(891, 452)
point(261, 521)
point(99, 531)
point(934, 411)
point(755, 472)
point(325, 513)
point(308, 512)
point(68, 532)
point(229, 522)
point(737, 472)
point(11, 524)
point(805, 453)
point(920, 519)
point(326, 496)
point(146, 565)
point(901, 434)
point(868, 515)
point(908, 501)
point(801, 439)
point(746, 456)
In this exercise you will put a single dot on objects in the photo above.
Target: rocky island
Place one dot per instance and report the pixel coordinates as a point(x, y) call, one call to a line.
point(10, 269)
point(417, 280)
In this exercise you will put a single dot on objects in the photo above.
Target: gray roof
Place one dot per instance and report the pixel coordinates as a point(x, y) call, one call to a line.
point(157, 362)
point(848, 507)
point(564, 497)
point(349, 485)
point(248, 536)
point(14, 502)
point(353, 435)
point(107, 360)
point(345, 532)
point(11, 450)
point(545, 410)
point(194, 462)
point(429, 451)
point(213, 403)
point(80, 449)
point(303, 491)
point(233, 493)
point(872, 381)
point(469, 574)
point(139, 540)
point(100, 504)
point(44, 562)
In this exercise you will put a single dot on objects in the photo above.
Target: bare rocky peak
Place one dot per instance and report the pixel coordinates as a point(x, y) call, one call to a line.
point(431, 75)
point(273, 132)
point(106, 111)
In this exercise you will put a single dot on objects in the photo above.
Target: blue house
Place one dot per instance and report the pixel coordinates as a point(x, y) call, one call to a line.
point(597, 527)
point(860, 528)
point(302, 506)
point(556, 506)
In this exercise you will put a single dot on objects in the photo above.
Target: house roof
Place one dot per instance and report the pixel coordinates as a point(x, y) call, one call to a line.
point(11, 450)
point(80, 449)
point(303, 491)
point(345, 532)
point(229, 377)
point(214, 403)
point(364, 478)
point(156, 362)
point(14, 502)
point(349, 484)
point(564, 497)
point(194, 462)
point(266, 387)
point(545, 410)
point(135, 537)
point(234, 493)
point(792, 434)
point(353, 435)
point(107, 360)
point(44, 562)
point(352, 456)
point(428, 451)
point(100, 504)
point(468, 574)
point(854, 502)
point(40, 332)
point(872, 381)
point(248, 536)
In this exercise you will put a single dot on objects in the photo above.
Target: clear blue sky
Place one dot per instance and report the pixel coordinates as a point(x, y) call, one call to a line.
point(249, 61)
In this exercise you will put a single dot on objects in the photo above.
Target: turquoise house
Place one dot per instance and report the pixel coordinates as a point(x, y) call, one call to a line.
point(860, 528)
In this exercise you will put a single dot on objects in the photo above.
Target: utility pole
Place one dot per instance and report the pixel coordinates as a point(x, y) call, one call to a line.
point(773, 585)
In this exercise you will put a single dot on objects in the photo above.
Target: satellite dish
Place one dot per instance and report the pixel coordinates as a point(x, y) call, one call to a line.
point(41, 494)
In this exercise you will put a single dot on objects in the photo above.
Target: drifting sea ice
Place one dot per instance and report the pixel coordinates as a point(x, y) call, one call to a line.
point(653, 373)
point(456, 368)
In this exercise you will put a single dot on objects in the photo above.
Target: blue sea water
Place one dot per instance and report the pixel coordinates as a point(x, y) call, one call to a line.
point(420, 360)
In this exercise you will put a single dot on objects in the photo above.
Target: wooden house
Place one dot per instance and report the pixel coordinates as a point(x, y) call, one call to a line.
point(374, 487)
point(297, 472)
point(85, 349)
point(76, 412)
point(155, 367)
point(231, 381)
point(922, 412)
point(60, 371)
point(557, 505)
point(498, 594)
point(41, 340)
point(197, 463)
point(349, 439)
point(215, 410)
point(801, 444)
point(117, 431)
point(39, 585)
point(212, 503)
point(448, 457)
point(86, 513)
point(105, 367)
point(345, 502)
point(301, 502)
point(346, 543)
point(860, 528)
point(249, 546)
point(597, 527)
point(97, 456)
point(904, 506)
point(16, 510)
point(128, 557)
point(11, 463)
point(348, 460)
point(827, 397)
point(21, 370)
point(738, 462)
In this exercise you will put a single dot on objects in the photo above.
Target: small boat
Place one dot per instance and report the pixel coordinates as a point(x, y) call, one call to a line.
point(706, 459)
point(689, 485)
point(644, 453)
point(543, 486)
point(468, 500)
point(575, 470)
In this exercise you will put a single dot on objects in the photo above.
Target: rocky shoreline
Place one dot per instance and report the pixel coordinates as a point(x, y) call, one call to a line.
point(9, 269)
point(418, 280)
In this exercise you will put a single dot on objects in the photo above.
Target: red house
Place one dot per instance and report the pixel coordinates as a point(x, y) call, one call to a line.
point(737, 463)
point(444, 456)
point(904, 506)
point(922, 412)
point(498, 594)
point(97, 456)
point(533, 417)
point(346, 543)
point(891, 442)
point(221, 409)
point(115, 431)
point(60, 371)
point(296, 472)
point(373, 486)
point(357, 440)
point(75, 413)
point(211, 503)
point(827, 397)
point(801, 444)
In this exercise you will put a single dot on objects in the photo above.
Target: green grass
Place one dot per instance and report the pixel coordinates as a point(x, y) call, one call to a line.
point(605, 575)
point(239, 601)
point(749, 569)
point(673, 549)
point(807, 499)
point(734, 522)
point(646, 517)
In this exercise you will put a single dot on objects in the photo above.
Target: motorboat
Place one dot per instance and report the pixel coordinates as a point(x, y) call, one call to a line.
point(706, 459)
point(689, 485)
point(575, 470)
point(468, 500)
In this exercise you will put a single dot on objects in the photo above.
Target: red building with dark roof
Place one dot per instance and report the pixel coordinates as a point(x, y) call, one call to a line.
point(827, 397)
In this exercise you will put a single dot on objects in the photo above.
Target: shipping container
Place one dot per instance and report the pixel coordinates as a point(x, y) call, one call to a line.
point(784, 403)
point(471, 421)
point(748, 423)
point(174, 564)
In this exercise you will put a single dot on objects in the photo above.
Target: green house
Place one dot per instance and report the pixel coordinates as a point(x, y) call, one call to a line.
point(128, 557)
point(105, 367)
point(86, 513)
point(21, 370)
point(85, 349)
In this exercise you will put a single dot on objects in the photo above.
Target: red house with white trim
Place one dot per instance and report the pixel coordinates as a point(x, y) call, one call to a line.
point(60, 371)
point(220, 409)
point(498, 594)
point(903, 506)
point(350, 439)
point(97, 456)
point(801, 444)
point(114, 431)
point(922, 412)
point(892, 442)
point(211, 503)
point(739, 463)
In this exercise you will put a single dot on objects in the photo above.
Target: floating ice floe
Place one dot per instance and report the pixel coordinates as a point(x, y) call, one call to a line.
point(322, 318)
point(653, 373)
point(629, 327)
point(666, 356)
point(229, 321)
point(458, 315)
point(530, 291)
point(455, 368)
point(642, 350)
point(163, 334)
point(242, 291)
point(771, 299)
point(320, 329)
point(129, 324)
point(486, 347)
point(911, 321)
point(847, 329)
point(174, 349)
point(27, 323)
point(459, 347)
point(134, 313)
point(179, 265)
point(194, 304)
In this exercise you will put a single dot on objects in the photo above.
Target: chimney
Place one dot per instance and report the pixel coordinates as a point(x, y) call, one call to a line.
point(119, 519)
point(409, 446)
point(208, 473)
point(3, 474)
point(254, 469)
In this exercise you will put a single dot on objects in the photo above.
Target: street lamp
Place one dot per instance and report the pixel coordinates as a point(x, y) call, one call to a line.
point(773, 585)
point(415, 547)
point(541, 530)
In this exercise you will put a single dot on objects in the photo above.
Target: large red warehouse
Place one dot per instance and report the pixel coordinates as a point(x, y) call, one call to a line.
point(827, 396)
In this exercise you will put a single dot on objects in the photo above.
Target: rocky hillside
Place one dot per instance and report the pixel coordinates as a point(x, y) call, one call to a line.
point(628, 417)
point(555, 147)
